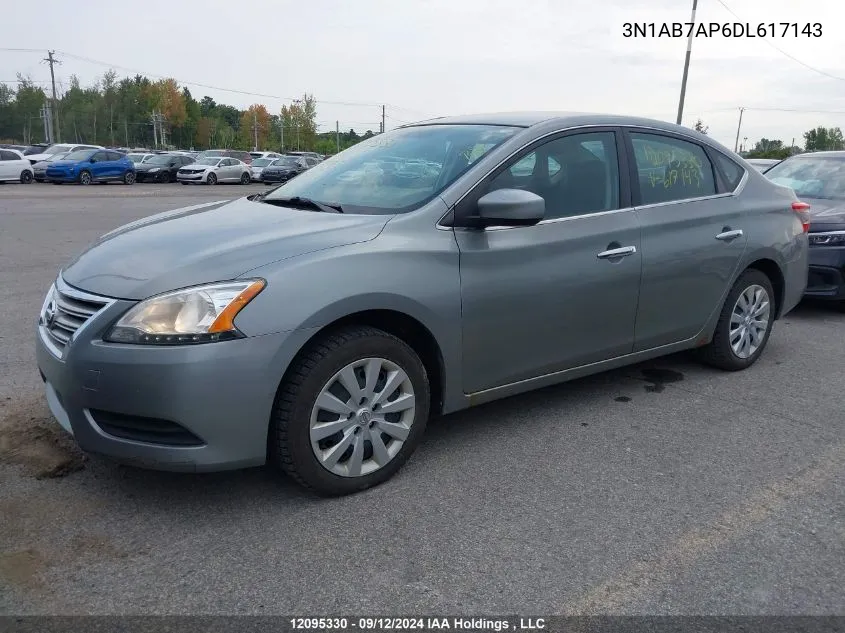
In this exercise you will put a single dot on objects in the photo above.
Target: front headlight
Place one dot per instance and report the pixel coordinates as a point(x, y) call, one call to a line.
point(155, 169)
point(202, 314)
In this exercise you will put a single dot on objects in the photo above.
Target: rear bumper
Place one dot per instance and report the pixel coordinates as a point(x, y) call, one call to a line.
point(826, 278)
point(180, 408)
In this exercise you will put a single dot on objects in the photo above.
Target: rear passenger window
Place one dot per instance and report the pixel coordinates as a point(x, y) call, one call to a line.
point(6, 155)
point(670, 169)
point(731, 172)
point(115, 156)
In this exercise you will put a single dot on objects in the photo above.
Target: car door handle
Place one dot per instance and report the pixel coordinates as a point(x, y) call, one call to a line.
point(727, 236)
point(623, 251)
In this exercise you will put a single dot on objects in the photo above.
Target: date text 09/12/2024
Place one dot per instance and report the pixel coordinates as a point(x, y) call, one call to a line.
point(721, 29)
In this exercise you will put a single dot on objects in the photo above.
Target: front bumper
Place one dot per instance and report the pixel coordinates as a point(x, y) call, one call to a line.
point(180, 408)
point(826, 278)
point(146, 176)
point(198, 177)
point(60, 176)
point(276, 177)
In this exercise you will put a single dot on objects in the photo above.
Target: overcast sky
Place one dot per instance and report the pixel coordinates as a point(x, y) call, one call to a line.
point(425, 58)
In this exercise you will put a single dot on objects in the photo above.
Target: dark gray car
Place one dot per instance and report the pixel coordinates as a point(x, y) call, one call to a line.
point(319, 325)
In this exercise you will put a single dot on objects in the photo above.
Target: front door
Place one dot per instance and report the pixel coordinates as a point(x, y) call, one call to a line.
point(100, 166)
point(562, 293)
point(692, 238)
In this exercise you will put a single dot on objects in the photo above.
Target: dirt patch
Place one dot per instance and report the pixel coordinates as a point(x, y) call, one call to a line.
point(35, 441)
point(22, 568)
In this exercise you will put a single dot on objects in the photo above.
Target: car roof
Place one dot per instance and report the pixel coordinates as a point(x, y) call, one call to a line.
point(830, 154)
point(563, 118)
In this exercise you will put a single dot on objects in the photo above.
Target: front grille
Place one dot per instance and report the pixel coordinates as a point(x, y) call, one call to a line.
point(68, 315)
point(143, 429)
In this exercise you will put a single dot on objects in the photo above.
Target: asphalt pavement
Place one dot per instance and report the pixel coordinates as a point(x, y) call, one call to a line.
point(663, 488)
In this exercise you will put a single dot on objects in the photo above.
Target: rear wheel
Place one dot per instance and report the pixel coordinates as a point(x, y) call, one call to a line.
point(745, 323)
point(85, 177)
point(211, 179)
point(26, 176)
point(129, 178)
point(351, 411)
point(245, 179)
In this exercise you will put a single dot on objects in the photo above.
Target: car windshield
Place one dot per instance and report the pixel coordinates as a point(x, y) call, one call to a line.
point(286, 161)
point(211, 152)
point(61, 156)
point(136, 158)
point(56, 149)
point(261, 162)
point(208, 161)
point(370, 177)
point(811, 176)
point(159, 159)
point(80, 155)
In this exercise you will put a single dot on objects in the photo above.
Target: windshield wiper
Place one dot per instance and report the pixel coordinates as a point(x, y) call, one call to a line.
point(306, 203)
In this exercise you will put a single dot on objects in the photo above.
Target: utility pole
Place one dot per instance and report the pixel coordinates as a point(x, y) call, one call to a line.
point(255, 129)
point(52, 60)
point(791, 146)
point(155, 131)
point(382, 119)
point(739, 125)
point(337, 134)
point(686, 66)
point(282, 132)
point(744, 143)
point(126, 131)
point(297, 137)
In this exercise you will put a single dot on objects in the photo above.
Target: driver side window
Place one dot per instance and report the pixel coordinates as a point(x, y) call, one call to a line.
point(575, 174)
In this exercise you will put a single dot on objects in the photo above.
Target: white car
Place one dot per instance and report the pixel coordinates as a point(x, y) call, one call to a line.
point(59, 149)
point(258, 165)
point(214, 169)
point(138, 157)
point(14, 167)
point(265, 155)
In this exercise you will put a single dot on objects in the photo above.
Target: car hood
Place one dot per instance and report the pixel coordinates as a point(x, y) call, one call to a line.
point(64, 163)
point(210, 242)
point(38, 157)
point(825, 214)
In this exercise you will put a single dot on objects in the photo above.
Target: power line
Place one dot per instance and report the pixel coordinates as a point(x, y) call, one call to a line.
point(783, 52)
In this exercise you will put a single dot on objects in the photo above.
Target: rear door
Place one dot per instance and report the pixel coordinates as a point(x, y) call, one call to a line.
point(116, 165)
point(692, 235)
point(227, 169)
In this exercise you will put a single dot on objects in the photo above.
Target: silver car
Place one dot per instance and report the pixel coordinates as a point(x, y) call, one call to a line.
point(319, 325)
point(212, 170)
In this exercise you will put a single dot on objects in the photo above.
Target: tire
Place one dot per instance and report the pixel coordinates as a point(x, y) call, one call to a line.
point(245, 178)
point(720, 352)
point(184, 183)
point(129, 178)
point(56, 182)
point(85, 177)
point(26, 177)
point(312, 373)
point(211, 179)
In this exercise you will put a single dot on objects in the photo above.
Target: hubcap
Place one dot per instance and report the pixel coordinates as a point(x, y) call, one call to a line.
point(362, 417)
point(749, 321)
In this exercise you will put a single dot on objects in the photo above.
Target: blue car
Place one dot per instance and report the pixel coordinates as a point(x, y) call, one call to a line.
point(92, 165)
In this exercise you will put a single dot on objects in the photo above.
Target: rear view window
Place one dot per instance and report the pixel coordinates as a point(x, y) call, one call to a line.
point(670, 169)
point(732, 172)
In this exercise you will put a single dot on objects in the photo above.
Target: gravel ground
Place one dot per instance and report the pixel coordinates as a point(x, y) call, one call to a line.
point(664, 488)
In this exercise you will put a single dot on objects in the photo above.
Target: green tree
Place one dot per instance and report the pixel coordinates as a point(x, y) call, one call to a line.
point(824, 139)
point(700, 127)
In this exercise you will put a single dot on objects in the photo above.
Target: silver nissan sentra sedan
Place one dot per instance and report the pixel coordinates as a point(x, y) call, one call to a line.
point(320, 324)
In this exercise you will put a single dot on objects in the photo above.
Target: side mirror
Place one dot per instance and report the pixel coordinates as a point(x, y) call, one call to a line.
point(509, 207)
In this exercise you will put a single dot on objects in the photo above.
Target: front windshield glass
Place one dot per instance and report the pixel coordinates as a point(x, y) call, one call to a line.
point(61, 156)
point(80, 155)
point(286, 161)
point(208, 161)
point(158, 159)
point(811, 176)
point(397, 171)
point(261, 162)
point(55, 149)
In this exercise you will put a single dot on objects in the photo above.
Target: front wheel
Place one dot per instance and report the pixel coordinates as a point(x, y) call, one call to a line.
point(26, 177)
point(745, 323)
point(212, 179)
point(245, 178)
point(351, 410)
